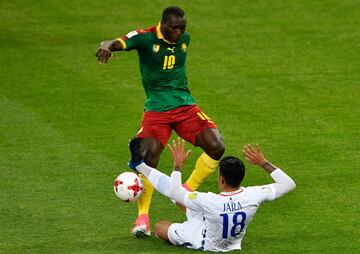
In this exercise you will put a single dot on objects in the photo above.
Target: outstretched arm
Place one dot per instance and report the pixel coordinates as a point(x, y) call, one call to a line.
point(169, 186)
point(104, 52)
point(283, 183)
point(176, 191)
point(178, 153)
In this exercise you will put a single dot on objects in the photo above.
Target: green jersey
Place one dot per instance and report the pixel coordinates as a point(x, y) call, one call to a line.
point(162, 67)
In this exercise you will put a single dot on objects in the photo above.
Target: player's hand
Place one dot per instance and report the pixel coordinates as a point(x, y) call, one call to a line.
point(254, 155)
point(103, 54)
point(178, 153)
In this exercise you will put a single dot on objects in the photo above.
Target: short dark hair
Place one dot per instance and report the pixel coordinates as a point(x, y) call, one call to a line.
point(172, 10)
point(233, 170)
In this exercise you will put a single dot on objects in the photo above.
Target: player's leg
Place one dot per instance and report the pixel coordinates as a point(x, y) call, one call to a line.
point(151, 149)
point(160, 181)
point(211, 142)
point(197, 128)
point(161, 229)
point(188, 234)
point(154, 133)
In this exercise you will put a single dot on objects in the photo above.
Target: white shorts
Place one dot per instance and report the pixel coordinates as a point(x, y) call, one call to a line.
point(189, 233)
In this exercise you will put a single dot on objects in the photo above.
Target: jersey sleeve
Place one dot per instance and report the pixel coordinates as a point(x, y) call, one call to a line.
point(262, 193)
point(196, 200)
point(132, 40)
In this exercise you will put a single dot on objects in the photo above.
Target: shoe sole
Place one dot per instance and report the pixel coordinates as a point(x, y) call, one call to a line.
point(141, 231)
point(141, 234)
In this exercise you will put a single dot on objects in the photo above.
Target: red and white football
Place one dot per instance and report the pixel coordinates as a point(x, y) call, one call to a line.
point(128, 187)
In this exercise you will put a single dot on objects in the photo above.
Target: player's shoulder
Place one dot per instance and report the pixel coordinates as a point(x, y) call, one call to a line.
point(250, 189)
point(140, 32)
point(200, 196)
point(186, 34)
point(195, 194)
point(150, 29)
point(261, 191)
point(185, 37)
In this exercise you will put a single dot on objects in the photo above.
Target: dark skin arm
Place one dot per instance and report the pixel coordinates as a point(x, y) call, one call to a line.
point(104, 52)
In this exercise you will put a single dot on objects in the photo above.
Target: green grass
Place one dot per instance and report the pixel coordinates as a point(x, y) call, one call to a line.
point(284, 74)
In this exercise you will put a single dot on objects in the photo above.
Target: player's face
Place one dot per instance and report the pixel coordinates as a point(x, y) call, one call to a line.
point(173, 28)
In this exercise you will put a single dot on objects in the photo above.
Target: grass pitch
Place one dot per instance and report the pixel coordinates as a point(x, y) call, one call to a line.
point(281, 74)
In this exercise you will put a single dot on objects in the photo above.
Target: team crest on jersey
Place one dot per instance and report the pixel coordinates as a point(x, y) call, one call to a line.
point(156, 48)
point(183, 47)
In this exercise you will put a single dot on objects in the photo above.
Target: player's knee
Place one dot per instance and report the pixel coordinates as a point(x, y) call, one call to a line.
point(157, 229)
point(161, 230)
point(219, 150)
point(211, 142)
point(216, 149)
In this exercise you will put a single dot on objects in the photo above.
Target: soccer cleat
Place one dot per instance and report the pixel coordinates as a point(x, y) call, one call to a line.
point(136, 157)
point(142, 226)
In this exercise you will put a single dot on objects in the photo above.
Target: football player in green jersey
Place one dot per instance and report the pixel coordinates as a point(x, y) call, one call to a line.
point(169, 106)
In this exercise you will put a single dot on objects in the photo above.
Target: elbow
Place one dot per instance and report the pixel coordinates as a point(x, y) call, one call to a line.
point(292, 185)
point(171, 194)
point(177, 195)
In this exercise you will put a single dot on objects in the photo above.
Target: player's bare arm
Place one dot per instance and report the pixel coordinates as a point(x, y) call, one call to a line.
point(104, 52)
point(256, 157)
point(178, 153)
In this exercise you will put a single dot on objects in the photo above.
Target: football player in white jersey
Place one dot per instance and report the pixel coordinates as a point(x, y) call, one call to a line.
point(215, 222)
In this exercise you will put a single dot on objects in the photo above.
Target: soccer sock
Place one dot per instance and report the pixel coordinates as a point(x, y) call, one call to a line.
point(145, 199)
point(204, 166)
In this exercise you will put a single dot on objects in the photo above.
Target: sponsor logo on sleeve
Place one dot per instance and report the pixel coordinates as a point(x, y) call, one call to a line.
point(132, 33)
point(192, 196)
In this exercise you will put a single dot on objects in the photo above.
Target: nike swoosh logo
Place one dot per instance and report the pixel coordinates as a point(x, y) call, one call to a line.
point(177, 233)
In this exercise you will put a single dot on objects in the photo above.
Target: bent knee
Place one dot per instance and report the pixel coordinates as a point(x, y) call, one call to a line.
point(216, 149)
point(157, 228)
point(161, 229)
point(210, 140)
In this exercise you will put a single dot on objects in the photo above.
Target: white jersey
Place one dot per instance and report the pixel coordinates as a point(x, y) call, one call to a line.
point(215, 222)
point(225, 215)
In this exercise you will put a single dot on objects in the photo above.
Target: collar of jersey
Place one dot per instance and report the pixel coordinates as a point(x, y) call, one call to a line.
point(160, 36)
point(232, 192)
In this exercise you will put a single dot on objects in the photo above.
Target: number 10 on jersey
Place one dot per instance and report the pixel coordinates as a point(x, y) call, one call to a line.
point(169, 62)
